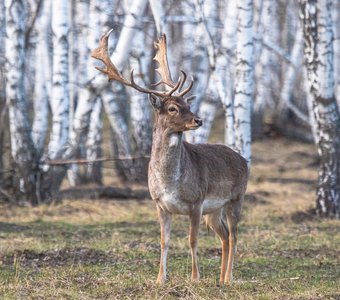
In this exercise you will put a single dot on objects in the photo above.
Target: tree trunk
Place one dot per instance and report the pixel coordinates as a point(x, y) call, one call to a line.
point(225, 69)
point(2, 88)
point(60, 80)
point(244, 80)
point(336, 48)
point(43, 77)
point(125, 168)
point(263, 81)
point(318, 35)
point(207, 113)
point(79, 56)
point(93, 144)
point(140, 115)
point(22, 148)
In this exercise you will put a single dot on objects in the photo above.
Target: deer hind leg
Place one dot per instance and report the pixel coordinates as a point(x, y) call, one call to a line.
point(232, 210)
point(165, 222)
point(195, 220)
point(216, 223)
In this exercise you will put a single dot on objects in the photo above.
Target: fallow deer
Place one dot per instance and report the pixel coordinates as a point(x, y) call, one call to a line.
point(195, 180)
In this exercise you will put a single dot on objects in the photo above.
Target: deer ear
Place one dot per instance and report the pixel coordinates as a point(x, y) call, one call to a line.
point(155, 102)
point(190, 99)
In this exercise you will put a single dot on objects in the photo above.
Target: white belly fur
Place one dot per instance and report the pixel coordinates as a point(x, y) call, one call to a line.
point(173, 204)
point(210, 205)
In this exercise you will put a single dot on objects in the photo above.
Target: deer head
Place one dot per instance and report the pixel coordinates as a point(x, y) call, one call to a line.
point(171, 106)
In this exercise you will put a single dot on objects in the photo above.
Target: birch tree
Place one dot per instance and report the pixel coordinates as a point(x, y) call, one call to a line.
point(22, 147)
point(60, 81)
point(318, 35)
point(244, 78)
point(262, 69)
point(140, 115)
point(93, 144)
point(205, 103)
point(336, 48)
point(224, 72)
point(2, 86)
point(43, 77)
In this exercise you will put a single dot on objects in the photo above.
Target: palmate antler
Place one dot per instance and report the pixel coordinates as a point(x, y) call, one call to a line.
point(161, 58)
point(101, 53)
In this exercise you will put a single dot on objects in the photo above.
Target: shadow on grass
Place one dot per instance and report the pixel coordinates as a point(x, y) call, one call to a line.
point(303, 216)
point(61, 257)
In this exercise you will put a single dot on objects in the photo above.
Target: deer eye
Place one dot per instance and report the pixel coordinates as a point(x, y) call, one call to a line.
point(172, 109)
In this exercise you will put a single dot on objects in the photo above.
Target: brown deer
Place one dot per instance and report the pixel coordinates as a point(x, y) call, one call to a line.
point(184, 178)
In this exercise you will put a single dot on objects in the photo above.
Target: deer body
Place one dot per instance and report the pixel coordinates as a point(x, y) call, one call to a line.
point(184, 178)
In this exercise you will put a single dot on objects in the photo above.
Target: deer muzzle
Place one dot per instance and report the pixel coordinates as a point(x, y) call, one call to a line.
point(194, 124)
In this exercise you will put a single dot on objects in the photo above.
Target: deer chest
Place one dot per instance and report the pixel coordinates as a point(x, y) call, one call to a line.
point(167, 193)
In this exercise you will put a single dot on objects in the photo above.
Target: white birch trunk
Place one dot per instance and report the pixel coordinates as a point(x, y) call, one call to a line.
point(336, 48)
point(200, 62)
point(207, 16)
point(93, 143)
point(87, 93)
point(262, 69)
point(188, 38)
point(60, 86)
point(131, 22)
point(224, 71)
point(207, 113)
point(22, 148)
point(159, 15)
point(43, 78)
point(318, 34)
point(290, 76)
point(244, 80)
point(120, 129)
point(79, 56)
point(309, 100)
point(2, 52)
point(139, 105)
point(2, 87)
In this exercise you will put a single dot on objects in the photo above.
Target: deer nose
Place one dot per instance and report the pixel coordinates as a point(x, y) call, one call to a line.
point(198, 121)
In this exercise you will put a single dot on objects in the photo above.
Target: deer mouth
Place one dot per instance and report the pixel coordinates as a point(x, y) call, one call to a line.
point(192, 126)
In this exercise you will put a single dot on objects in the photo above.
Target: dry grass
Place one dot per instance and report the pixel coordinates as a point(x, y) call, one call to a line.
point(87, 249)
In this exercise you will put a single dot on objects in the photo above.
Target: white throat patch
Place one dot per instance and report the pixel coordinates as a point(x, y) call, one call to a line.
point(173, 140)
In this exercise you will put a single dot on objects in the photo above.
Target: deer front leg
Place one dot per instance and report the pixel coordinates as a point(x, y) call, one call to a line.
point(233, 214)
point(195, 220)
point(165, 222)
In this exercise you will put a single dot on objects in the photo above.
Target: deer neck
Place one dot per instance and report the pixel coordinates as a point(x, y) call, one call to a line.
point(166, 154)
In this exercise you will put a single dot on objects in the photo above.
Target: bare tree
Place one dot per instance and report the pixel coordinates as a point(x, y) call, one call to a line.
point(318, 36)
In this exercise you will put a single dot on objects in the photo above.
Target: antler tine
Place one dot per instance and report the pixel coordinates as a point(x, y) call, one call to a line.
point(175, 88)
point(187, 90)
point(183, 80)
point(159, 83)
point(133, 84)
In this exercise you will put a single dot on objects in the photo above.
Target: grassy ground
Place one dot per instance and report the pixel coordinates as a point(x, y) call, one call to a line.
point(109, 249)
